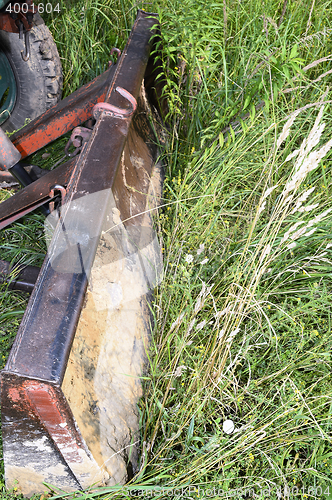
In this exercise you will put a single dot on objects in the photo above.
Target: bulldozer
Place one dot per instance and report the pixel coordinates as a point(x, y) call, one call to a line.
point(72, 382)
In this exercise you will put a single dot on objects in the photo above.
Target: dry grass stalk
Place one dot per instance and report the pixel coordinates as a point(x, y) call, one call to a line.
point(241, 296)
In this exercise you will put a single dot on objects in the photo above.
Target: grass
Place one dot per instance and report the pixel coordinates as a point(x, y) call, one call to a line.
point(243, 315)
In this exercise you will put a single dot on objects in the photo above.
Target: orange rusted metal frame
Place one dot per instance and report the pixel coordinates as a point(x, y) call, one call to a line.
point(63, 117)
point(9, 155)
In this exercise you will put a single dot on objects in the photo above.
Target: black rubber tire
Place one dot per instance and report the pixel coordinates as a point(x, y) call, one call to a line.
point(38, 80)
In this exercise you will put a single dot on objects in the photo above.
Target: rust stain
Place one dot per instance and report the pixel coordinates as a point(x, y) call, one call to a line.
point(60, 119)
point(44, 401)
point(14, 394)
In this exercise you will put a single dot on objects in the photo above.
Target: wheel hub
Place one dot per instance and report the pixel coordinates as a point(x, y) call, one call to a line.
point(7, 88)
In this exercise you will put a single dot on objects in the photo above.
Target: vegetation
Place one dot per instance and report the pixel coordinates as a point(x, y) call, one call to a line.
point(243, 315)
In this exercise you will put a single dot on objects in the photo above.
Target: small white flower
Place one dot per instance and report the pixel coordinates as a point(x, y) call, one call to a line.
point(204, 261)
point(201, 249)
point(228, 426)
point(291, 245)
point(189, 258)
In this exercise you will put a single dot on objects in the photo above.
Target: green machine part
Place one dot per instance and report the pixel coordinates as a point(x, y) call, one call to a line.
point(7, 83)
point(7, 87)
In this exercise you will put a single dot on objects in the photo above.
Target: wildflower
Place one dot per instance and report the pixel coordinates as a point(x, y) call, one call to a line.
point(228, 426)
point(189, 258)
point(204, 261)
point(201, 249)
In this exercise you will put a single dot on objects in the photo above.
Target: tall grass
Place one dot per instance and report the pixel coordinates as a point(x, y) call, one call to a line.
point(242, 318)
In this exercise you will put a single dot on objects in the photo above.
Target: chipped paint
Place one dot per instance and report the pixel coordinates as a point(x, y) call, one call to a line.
point(73, 450)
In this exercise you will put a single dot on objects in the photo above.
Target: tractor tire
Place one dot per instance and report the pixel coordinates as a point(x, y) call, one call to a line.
point(38, 81)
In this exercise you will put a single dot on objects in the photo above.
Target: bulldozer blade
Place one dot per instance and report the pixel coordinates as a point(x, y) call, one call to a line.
point(70, 388)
